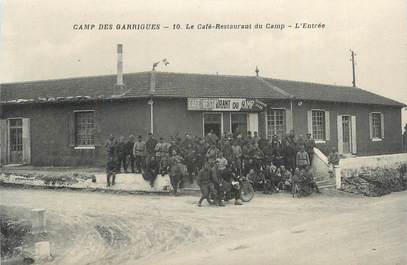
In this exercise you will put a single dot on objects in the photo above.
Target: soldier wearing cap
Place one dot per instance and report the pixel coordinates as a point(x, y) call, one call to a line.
point(139, 151)
point(309, 144)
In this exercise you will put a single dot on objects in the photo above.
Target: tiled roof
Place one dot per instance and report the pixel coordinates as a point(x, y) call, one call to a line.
point(94, 87)
point(334, 93)
point(203, 85)
point(182, 85)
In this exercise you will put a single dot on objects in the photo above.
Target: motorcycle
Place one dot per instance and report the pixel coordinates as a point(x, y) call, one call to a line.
point(240, 184)
point(245, 188)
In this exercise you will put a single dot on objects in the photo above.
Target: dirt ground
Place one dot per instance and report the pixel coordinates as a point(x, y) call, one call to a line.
point(327, 228)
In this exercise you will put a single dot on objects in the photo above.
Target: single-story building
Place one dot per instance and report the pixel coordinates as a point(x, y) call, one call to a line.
point(65, 122)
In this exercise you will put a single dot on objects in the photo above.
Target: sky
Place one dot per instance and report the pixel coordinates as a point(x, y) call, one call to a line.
point(37, 40)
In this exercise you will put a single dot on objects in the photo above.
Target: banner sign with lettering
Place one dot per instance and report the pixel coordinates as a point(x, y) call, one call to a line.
point(226, 104)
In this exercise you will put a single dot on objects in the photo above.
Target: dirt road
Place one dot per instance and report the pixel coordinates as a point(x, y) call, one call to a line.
point(334, 228)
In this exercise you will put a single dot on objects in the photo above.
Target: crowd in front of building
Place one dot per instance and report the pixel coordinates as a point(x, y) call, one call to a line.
point(271, 164)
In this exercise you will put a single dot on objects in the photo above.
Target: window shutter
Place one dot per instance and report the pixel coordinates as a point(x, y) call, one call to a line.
point(3, 141)
point(97, 127)
point(70, 129)
point(309, 121)
point(382, 124)
point(340, 134)
point(289, 120)
point(370, 126)
point(327, 126)
point(354, 151)
point(26, 141)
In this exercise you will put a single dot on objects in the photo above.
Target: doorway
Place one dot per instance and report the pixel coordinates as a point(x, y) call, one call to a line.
point(346, 135)
point(16, 140)
point(238, 124)
point(212, 122)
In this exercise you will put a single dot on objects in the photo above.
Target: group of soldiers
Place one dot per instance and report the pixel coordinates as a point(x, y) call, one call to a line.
point(183, 157)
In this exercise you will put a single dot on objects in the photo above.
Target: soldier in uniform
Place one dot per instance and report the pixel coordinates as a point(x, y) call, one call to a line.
point(309, 146)
point(129, 154)
point(152, 170)
point(302, 158)
point(212, 153)
point(278, 158)
point(191, 161)
point(175, 170)
point(237, 157)
point(204, 179)
point(111, 165)
point(121, 154)
point(150, 147)
point(217, 183)
point(111, 168)
point(139, 151)
point(227, 149)
point(290, 151)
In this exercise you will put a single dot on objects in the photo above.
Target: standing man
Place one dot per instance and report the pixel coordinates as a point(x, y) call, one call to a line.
point(212, 138)
point(290, 151)
point(150, 147)
point(121, 154)
point(111, 165)
point(309, 146)
point(204, 178)
point(302, 158)
point(129, 154)
point(175, 173)
point(139, 151)
point(237, 158)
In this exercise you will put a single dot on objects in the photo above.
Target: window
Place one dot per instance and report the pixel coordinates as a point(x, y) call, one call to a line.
point(84, 128)
point(212, 122)
point(275, 123)
point(16, 135)
point(376, 125)
point(238, 123)
point(318, 125)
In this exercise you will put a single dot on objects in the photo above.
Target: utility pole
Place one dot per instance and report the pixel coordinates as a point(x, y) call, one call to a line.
point(352, 53)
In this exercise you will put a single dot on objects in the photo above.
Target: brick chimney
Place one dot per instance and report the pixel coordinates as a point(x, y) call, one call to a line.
point(120, 65)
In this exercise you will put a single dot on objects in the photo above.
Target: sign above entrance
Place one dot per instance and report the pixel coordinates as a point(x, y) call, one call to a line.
point(226, 104)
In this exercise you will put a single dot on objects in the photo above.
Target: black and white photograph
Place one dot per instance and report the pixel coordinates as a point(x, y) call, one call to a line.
point(197, 132)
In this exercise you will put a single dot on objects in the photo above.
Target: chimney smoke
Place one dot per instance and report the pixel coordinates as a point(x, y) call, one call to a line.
point(120, 65)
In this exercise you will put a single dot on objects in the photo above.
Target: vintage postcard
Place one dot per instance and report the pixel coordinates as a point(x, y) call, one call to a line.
point(203, 132)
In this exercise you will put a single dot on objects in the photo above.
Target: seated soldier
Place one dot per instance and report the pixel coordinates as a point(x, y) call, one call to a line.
point(249, 165)
point(252, 176)
point(152, 170)
point(309, 179)
point(285, 181)
point(270, 176)
point(228, 177)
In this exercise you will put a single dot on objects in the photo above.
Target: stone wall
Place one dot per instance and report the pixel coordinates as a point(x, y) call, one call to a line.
point(373, 175)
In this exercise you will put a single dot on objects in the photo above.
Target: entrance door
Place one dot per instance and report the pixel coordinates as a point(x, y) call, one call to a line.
point(346, 134)
point(212, 122)
point(16, 140)
point(238, 123)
